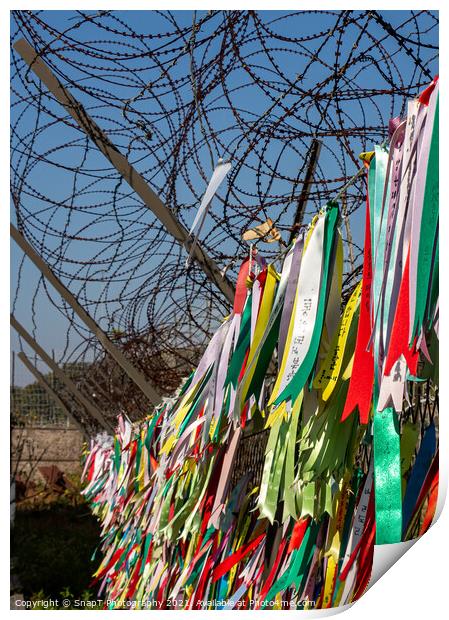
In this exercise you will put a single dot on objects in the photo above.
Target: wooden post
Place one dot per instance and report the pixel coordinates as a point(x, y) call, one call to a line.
point(51, 392)
point(129, 173)
point(314, 153)
point(90, 408)
point(110, 347)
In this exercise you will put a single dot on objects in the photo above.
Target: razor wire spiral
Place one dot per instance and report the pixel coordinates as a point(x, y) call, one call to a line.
point(175, 91)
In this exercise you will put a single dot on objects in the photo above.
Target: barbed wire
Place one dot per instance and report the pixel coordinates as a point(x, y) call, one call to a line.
point(176, 91)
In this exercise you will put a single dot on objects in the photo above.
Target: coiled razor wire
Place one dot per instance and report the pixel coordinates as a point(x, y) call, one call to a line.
point(176, 91)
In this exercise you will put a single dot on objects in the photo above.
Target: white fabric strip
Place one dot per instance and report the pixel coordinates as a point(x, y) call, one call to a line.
point(221, 170)
point(307, 297)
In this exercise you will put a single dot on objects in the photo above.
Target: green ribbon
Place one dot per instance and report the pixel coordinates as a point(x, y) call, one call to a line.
point(429, 228)
point(355, 485)
point(275, 483)
point(434, 287)
point(273, 468)
point(263, 360)
point(243, 342)
point(290, 507)
point(387, 477)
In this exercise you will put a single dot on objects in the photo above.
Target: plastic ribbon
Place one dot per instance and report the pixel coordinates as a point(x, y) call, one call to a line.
point(218, 175)
point(361, 382)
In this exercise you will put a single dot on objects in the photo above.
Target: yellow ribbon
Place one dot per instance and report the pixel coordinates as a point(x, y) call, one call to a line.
point(262, 320)
point(328, 375)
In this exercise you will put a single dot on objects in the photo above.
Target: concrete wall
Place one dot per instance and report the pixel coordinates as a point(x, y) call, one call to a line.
point(33, 447)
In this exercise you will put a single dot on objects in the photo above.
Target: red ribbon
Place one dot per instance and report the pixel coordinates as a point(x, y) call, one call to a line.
point(161, 598)
point(425, 95)
point(241, 289)
point(112, 561)
point(399, 335)
point(365, 567)
point(235, 558)
point(134, 579)
point(298, 533)
point(198, 594)
point(362, 378)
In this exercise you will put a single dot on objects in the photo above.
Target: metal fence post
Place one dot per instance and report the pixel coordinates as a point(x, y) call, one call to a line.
point(90, 408)
point(107, 344)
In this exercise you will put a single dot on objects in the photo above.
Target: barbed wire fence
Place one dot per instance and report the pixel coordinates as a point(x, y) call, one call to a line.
point(173, 92)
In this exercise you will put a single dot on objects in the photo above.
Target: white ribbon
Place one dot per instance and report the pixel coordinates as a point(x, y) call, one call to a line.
point(221, 170)
point(307, 297)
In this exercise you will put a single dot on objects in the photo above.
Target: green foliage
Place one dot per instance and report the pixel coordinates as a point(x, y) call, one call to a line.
point(53, 551)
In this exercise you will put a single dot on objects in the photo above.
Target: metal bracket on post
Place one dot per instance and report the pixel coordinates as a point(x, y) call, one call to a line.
point(51, 392)
point(132, 372)
point(122, 165)
point(90, 408)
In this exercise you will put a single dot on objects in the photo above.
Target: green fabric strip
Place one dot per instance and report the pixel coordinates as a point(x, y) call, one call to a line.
point(263, 361)
point(429, 224)
point(243, 342)
point(387, 476)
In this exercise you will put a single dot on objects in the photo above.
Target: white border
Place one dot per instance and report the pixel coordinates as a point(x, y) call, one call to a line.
point(417, 583)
